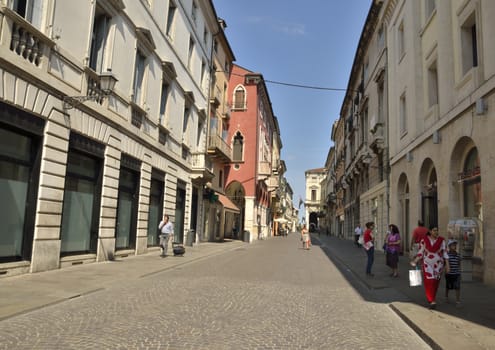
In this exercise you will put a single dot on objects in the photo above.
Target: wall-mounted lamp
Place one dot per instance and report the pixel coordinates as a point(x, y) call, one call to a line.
point(105, 88)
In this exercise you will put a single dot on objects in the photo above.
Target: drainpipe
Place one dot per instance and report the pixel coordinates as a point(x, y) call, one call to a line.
point(387, 153)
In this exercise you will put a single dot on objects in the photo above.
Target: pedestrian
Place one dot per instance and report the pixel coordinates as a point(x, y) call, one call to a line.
point(433, 251)
point(305, 237)
point(418, 234)
point(453, 277)
point(166, 232)
point(392, 250)
point(368, 244)
point(357, 233)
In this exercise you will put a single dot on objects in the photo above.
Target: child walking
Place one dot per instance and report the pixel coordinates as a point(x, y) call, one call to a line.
point(453, 277)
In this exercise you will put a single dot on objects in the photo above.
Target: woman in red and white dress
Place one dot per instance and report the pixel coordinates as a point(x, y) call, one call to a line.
point(433, 251)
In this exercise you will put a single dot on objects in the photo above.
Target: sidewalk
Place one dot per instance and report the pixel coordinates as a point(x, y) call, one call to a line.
point(471, 326)
point(22, 293)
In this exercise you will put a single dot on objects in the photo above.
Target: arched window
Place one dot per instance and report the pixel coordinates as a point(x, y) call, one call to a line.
point(240, 98)
point(472, 185)
point(238, 147)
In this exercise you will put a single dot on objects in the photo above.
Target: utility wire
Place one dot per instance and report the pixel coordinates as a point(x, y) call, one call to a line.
point(304, 86)
point(298, 85)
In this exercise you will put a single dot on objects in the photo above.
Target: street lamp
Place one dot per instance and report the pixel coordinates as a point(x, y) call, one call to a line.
point(106, 84)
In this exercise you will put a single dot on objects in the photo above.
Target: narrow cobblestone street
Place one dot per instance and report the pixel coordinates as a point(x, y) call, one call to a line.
point(268, 295)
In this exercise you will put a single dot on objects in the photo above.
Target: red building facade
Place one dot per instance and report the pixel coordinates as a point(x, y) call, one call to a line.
point(251, 132)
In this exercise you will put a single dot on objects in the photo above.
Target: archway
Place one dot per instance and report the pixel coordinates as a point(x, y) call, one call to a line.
point(404, 212)
point(429, 194)
point(236, 193)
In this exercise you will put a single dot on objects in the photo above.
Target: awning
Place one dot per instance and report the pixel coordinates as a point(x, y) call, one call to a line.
point(227, 203)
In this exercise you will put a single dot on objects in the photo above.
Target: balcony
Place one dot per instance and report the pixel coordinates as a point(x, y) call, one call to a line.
point(377, 139)
point(202, 167)
point(26, 47)
point(264, 170)
point(216, 97)
point(24, 40)
point(219, 149)
point(227, 111)
point(273, 183)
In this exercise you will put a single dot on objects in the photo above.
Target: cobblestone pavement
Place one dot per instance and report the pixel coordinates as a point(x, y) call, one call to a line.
point(268, 295)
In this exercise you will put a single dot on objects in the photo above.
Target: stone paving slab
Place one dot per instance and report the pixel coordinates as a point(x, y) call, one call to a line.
point(448, 327)
point(22, 293)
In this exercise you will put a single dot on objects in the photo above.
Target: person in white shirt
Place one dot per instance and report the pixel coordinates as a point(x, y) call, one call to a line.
point(166, 232)
point(357, 233)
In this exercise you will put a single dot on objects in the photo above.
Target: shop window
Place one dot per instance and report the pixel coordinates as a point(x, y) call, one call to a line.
point(19, 156)
point(125, 229)
point(155, 206)
point(79, 232)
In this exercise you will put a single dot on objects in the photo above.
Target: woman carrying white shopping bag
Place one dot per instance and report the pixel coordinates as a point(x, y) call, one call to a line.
point(433, 251)
point(415, 278)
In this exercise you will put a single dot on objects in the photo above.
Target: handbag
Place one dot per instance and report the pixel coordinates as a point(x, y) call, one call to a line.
point(415, 278)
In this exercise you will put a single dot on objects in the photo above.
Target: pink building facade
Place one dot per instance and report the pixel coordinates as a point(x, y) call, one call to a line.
point(252, 129)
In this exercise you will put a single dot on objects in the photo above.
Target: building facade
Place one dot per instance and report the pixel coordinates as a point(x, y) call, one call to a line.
point(253, 132)
point(221, 213)
point(313, 203)
point(87, 171)
point(441, 75)
point(417, 117)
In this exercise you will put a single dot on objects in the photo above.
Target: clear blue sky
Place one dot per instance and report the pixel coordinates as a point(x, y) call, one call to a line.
point(309, 43)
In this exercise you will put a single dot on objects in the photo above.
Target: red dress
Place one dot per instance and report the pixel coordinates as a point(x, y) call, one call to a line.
point(433, 252)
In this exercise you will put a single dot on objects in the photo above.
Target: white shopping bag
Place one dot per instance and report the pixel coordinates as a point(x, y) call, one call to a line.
point(415, 278)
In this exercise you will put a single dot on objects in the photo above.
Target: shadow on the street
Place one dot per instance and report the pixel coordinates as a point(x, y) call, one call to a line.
point(477, 299)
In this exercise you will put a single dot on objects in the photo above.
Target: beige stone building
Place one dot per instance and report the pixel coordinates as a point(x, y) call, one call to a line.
point(313, 203)
point(441, 80)
point(418, 124)
point(221, 215)
point(87, 170)
point(364, 113)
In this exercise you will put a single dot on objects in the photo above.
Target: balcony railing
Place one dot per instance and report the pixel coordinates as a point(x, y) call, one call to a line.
point(23, 38)
point(202, 165)
point(218, 147)
point(264, 169)
point(227, 110)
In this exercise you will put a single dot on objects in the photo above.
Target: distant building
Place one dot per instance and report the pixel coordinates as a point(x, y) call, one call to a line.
point(313, 203)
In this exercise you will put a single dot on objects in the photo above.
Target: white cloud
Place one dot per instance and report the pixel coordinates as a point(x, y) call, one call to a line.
point(279, 26)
